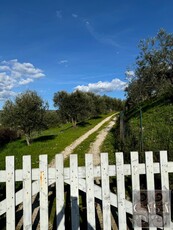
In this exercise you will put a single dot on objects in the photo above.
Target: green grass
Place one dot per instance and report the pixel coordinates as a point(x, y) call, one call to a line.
point(108, 146)
point(50, 142)
point(157, 131)
point(157, 127)
point(84, 147)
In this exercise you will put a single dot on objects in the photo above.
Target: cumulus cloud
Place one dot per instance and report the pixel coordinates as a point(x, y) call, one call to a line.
point(103, 87)
point(5, 94)
point(25, 81)
point(14, 74)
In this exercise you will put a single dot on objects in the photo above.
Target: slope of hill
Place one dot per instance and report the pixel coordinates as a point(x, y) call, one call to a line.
point(148, 128)
point(50, 142)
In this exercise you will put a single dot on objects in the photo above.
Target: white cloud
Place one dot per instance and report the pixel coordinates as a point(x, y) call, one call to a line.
point(103, 87)
point(14, 74)
point(4, 68)
point(6, 82)
point(74, 15)
point(25, 81)
point(5, 94)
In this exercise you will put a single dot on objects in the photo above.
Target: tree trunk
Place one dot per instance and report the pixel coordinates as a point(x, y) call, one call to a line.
point(74, 122)
point(28, 139)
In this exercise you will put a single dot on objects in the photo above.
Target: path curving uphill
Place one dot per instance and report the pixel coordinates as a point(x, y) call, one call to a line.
point(96, 145)
point(69, 149)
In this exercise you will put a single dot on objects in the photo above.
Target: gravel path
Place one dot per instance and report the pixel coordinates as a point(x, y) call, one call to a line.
point(95, 146)
point(95, 150)
point(69, 149)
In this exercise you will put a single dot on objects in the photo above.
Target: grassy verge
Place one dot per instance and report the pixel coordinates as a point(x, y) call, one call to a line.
point(108, 146)
point(50, 142)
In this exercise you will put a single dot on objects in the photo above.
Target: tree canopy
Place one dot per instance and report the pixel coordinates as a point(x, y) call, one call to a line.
point(73, 107)
point(154, 69)
point(26, 113)
point(78, 106)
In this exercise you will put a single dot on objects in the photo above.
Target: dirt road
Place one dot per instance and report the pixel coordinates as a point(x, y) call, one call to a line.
point(69, 149)
point(95, 146)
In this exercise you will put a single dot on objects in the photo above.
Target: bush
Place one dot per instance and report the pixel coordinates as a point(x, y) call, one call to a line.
point(7, 135)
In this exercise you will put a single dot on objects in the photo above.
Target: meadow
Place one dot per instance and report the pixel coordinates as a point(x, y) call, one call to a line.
point(50, 142)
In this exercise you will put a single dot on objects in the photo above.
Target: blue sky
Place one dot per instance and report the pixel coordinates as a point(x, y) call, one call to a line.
point(56, 45)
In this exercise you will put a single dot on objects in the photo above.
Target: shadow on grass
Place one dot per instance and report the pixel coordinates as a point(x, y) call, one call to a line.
point(44, 138)
point(86, 123)
point(39, 139)
point(83, 124)
point(62, 130)
point(3, 145)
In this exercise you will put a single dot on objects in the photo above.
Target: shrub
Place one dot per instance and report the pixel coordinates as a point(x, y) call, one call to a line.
point(7, 135)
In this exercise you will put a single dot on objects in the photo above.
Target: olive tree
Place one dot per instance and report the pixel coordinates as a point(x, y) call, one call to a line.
point(74, 107)
point(26, 114)
point(154, 68)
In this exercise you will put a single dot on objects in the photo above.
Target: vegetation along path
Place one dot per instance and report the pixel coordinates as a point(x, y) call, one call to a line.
point(69, 149)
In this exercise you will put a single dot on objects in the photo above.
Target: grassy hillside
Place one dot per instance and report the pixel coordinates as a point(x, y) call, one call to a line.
point(153, 132)
point(51, 142)
point(157, 128)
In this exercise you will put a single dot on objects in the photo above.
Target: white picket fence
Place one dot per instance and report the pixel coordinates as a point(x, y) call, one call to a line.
point(37, 180)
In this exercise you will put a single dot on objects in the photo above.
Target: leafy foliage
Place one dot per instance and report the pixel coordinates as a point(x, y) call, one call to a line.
point(52, 118)
point(147, 121)
point(78, 106)
point(154, 69)
point(25, 114)
point(73, 107)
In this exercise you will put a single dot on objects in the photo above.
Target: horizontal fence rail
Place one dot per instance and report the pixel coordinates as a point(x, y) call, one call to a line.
point(113, 203)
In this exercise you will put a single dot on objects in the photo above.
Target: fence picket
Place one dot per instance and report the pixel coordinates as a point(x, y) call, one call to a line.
point(105, 191)
point(150, 186)
point(74, 193)
point(165, 184)
point(43, 192)
point(164, 170)
point(60, 219)
point(10, 193)
point(90, 191)
point(81, 178)
point(121, 191)
point(27, 193)
point(135, 176)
